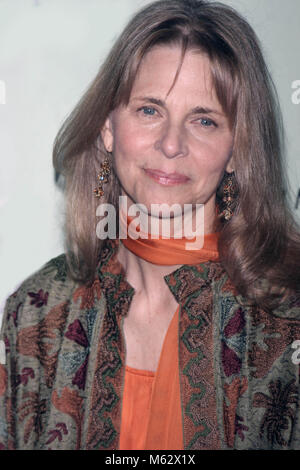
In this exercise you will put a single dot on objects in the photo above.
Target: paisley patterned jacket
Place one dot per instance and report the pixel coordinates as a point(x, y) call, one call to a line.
point(61, 386)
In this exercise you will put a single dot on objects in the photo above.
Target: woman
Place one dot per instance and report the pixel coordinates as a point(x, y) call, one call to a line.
point(143, 343)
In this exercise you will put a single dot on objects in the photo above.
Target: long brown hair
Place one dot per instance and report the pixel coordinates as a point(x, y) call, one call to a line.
point(260, 245)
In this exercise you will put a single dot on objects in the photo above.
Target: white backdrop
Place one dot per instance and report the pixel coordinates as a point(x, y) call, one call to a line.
point(50, 50)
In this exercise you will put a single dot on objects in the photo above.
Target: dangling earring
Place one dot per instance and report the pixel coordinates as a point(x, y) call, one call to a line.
point(230, 193)
point(103, 177)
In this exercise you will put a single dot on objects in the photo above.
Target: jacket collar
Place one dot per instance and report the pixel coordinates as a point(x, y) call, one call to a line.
point(182, 282)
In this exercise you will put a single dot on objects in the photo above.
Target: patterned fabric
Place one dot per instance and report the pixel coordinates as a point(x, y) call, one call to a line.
point(62, 384)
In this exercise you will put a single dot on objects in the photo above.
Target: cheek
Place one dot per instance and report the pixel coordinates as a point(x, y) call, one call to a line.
point(216, 151)
point(129, 145)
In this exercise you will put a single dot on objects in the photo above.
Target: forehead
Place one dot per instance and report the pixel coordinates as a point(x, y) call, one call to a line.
point(163, 71)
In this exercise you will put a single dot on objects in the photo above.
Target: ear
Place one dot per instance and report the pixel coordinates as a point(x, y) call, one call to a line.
point(230, 165)
point(107, 135)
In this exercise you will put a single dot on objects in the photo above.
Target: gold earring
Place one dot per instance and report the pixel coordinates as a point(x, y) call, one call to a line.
point(103, 177)
point(230, 195)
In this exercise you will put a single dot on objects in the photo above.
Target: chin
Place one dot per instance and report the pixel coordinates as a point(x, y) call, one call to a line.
point(165, 212)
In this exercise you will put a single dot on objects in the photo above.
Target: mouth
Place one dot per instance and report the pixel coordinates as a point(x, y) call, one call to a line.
point(166, 179)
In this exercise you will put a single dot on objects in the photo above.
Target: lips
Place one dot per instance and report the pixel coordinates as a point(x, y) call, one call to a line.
point(166, 179)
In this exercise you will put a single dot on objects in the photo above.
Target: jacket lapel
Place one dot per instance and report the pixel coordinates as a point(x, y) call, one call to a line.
point(106, 368)
point(192, 288)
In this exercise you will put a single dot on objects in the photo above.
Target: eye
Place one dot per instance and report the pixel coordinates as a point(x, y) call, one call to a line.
point(147, 111)
point(207, 122)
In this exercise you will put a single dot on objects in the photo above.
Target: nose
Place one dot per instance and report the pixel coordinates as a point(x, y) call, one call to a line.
point(172, 141)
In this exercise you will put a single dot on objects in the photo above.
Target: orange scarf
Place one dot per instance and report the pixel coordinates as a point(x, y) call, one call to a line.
point(169, 252)
point(151, 413)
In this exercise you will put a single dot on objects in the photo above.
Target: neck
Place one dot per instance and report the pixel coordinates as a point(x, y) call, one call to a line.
point(146, 261)
point(142, 275)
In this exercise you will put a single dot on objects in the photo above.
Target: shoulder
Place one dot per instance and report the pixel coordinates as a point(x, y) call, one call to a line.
point(47, 288)
point(288, 307)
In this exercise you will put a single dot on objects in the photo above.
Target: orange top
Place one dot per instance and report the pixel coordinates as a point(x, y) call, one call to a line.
point(151, 413)
point(136, 408)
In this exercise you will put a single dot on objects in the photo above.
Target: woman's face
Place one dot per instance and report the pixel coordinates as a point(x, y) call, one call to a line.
point(171, 146)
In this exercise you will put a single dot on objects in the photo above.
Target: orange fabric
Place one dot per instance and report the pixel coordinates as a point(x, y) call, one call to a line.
point(165, 422)
point(169, 252)
point(136, 408)
point(151, 412)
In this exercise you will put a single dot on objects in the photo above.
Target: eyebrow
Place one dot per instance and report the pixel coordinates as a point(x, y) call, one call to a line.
point(196, 110)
